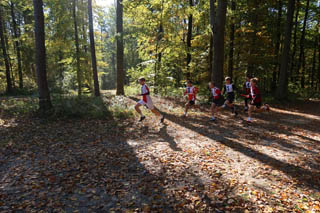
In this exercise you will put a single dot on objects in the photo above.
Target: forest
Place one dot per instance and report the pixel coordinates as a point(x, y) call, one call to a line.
point(69, 136)
point(165, 41)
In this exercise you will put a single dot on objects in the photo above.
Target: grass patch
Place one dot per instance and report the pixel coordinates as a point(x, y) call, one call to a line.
point(71, 106)
point(18, 106)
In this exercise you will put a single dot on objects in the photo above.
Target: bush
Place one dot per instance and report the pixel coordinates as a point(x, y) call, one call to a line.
point(74, 107)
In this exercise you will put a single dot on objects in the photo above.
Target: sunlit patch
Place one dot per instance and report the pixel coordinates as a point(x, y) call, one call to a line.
point(303, 115)
point(8, 123)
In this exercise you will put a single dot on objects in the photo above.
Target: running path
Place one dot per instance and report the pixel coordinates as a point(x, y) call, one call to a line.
point(274, 163)
point(187, 164)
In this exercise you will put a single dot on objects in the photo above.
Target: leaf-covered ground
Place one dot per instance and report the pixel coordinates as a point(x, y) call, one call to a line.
point(184, 165)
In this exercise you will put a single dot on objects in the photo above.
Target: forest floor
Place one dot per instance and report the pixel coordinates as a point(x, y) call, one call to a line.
point(184, 165)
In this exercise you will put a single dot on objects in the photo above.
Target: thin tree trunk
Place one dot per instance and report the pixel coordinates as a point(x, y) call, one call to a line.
point(212, 20)
point(189, 38)
point(218, 43)
point(314, 59)
point(4, 52)
point(120, 54)
point(282, 90)
point(318, 61)
point(44, 94)
point(301, 55)
point(294, 49)
point(251, 68)
point(277, 49)
point(231, 48)
point(93, 51)
point(76, 38)
point(17, 44)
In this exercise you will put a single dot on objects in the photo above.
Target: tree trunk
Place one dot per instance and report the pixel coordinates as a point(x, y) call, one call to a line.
point(218, 43)
point(93, 51)
point(253, 17)
point(5, 56)
point(294, 49)
point(120, 71)
point(319, 61)
point(76, 38)
point(282, 90)
point(314, 59)
point(44, 94)
point(231, 48)
point(212, 20)
point(157, 65)
point(277, 49)
point(301, 55)
point(189, 38)
point(17, 44)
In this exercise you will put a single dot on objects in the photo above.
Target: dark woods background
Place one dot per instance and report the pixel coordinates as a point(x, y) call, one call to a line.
point(167, 41)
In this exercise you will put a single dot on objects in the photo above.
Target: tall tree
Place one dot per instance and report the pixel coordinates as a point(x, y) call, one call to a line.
point(301, 60)
point(277, 48)
point(218, 43)
point(212, 20)
point(120, 61)
point(44, 94)
point(93, 51)
point(231, 47)
point(189, 38)
point(253, 20)
point(314, 60)
point(5, 55)
point(294, 48)
point(17, 44)
point(76, 38)
point(282, 90)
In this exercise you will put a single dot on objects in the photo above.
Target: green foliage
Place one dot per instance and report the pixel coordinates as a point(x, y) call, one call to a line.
point(160, 54)
point(18, 106)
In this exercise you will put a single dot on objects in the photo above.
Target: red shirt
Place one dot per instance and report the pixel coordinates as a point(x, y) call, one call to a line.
point(145, 92)
point(255, 94)
point(216, 93)
point(192, 92)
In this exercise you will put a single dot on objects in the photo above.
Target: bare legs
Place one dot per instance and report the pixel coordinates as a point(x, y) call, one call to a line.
point(187, 106)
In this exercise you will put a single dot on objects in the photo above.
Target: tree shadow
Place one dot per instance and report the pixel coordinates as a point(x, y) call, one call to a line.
point(86, 165)
point(304, 176)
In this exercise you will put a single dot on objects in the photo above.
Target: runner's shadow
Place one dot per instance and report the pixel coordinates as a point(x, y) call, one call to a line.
point(168, 138)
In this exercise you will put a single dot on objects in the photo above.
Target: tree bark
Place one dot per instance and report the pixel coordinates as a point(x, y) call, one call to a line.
point(319, 61)
point(44, 94)
point(231, 48)
point(212, 20)
point(76, 38)
point(218, 43)
point(282, 90)
point(17, 44)
point(314, 59)
point(253, 17)
point(120, 55)
point(5, 56)
point(93, 51)
point(301, 55)
point(277, 48)
point(294, 49)
point(189, 38)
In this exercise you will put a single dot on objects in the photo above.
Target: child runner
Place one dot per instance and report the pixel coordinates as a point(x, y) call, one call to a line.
point(246, 88)
point(229, 89)
point(191, 91)
point(217, 99)
point(146, 101)
point(256, 102)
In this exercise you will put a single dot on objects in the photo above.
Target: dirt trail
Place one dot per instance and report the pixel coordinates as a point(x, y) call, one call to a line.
point(187, 164)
